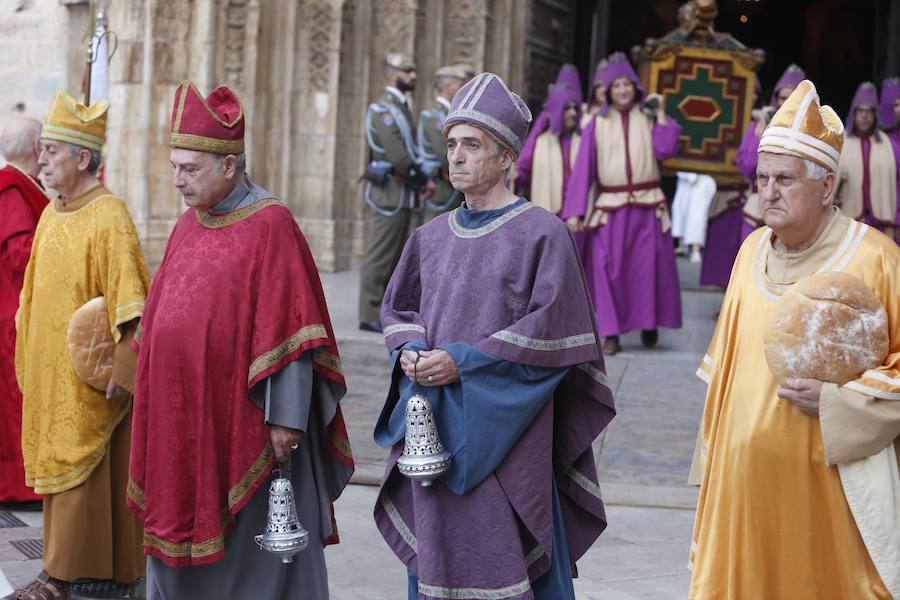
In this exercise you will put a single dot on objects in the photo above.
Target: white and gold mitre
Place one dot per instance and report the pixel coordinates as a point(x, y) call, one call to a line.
point(803, 128)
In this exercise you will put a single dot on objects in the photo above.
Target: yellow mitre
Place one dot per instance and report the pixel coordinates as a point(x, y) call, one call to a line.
point(70, 121)
point(803, 128)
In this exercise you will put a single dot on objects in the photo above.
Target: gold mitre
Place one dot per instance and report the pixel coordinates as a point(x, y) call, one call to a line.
point(803, 128)
point(70, 121)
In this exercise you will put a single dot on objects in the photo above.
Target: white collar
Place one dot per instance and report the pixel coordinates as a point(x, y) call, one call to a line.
point(443, 102)
point(396, 93)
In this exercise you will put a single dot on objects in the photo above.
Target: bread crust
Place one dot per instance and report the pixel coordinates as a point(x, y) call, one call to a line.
point(91, 345)
point(829, 327)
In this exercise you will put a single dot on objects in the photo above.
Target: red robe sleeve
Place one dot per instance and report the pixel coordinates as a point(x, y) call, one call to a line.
point(16, 229)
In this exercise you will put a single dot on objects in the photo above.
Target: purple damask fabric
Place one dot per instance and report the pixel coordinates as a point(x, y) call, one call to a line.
point(514, 289)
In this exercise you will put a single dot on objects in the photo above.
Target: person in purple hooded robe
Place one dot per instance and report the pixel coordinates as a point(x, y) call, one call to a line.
point(630, 260)
point(726, 229)
point(549, 151)
point(868, 171)
point(597, 99)
point(567, 77)
point(889, 109)
point(889, 121)
point(488, 312)
point(746, 157)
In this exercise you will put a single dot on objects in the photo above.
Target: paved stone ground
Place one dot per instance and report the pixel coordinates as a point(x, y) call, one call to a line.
point(643, 460)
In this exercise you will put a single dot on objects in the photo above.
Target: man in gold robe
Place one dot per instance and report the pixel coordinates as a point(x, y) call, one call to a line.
point(800, 494)
point(76, 439)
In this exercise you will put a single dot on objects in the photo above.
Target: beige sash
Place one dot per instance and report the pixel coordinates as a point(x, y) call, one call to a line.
point(610, 140)
point(883, 177)
point(547, 170)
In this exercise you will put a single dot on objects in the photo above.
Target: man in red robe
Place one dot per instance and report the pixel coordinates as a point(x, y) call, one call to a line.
point(22, 199)
point(237, 368)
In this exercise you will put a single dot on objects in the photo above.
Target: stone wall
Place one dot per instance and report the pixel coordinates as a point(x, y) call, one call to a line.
point(304, 69)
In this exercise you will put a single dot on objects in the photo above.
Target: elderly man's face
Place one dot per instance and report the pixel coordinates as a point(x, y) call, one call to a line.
point(864, 119)
point(62, 165)
point(202, 178)
point(475, 164)
point(622, 93)
point(790, 200)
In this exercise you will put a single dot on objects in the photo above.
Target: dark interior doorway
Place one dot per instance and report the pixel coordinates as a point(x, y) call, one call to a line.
point(839, 43)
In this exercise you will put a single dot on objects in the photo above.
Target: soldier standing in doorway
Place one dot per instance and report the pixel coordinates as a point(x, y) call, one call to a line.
point(396, 185)
point(433, 147)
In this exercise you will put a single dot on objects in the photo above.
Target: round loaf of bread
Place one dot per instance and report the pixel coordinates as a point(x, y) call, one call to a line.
point(829, 327)
point(91, 345)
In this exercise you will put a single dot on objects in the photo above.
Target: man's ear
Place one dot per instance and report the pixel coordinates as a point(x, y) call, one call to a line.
point(84, 159)
point(230, 166)
point(508, 158)
point(828, 183)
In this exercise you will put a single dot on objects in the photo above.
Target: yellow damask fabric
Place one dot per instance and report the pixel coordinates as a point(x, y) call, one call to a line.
point(772, 518)
point(90, 249)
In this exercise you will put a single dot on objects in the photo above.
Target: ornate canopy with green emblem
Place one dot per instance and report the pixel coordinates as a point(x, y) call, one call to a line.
point(707, 79)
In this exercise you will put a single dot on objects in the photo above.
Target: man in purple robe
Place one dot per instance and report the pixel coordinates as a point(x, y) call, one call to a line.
point(889, 121)
point(547, 157)
point(630, 260)
point(746, 157)
point(487, 311)
point(889, 109)
point(868, 171)
point(597, 99)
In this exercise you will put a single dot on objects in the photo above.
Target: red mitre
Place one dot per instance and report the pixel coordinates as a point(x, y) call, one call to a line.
point(215, 124)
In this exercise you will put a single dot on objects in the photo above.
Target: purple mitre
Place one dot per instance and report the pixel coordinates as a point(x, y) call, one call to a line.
point(791, 78)
point(485, 102)
point(568, 76)
point(890, 91)
point(866, 95)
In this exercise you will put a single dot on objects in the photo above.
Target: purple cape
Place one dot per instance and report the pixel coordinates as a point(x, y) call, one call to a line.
point(513, 289)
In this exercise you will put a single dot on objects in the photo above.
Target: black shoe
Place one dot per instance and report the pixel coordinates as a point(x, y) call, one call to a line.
point(649, 337)
point(371, 326)
point(611, 345)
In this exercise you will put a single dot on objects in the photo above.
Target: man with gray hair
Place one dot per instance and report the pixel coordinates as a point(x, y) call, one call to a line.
point(76, 415)
point(238, 371)
point(488, 312)
point(826, 451)
point(22, 199)
point(433, 147)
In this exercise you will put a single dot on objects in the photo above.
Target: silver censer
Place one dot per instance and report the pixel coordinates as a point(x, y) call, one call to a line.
point(284, 535)
point(424, 458)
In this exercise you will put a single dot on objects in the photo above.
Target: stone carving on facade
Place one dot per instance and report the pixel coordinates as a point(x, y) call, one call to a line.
point(465, 31)
point(319, 17)
point(236, 12)
point(395, 26)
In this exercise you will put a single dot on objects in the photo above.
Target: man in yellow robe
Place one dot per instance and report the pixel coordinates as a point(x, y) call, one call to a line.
point(76, 439)
point(800, 494)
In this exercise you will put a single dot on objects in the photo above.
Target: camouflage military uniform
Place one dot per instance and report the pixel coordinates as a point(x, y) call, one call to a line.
point(433, 150)
point(391, 134)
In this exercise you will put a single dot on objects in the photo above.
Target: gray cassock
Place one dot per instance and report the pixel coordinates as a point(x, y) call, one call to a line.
point(247, 572)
